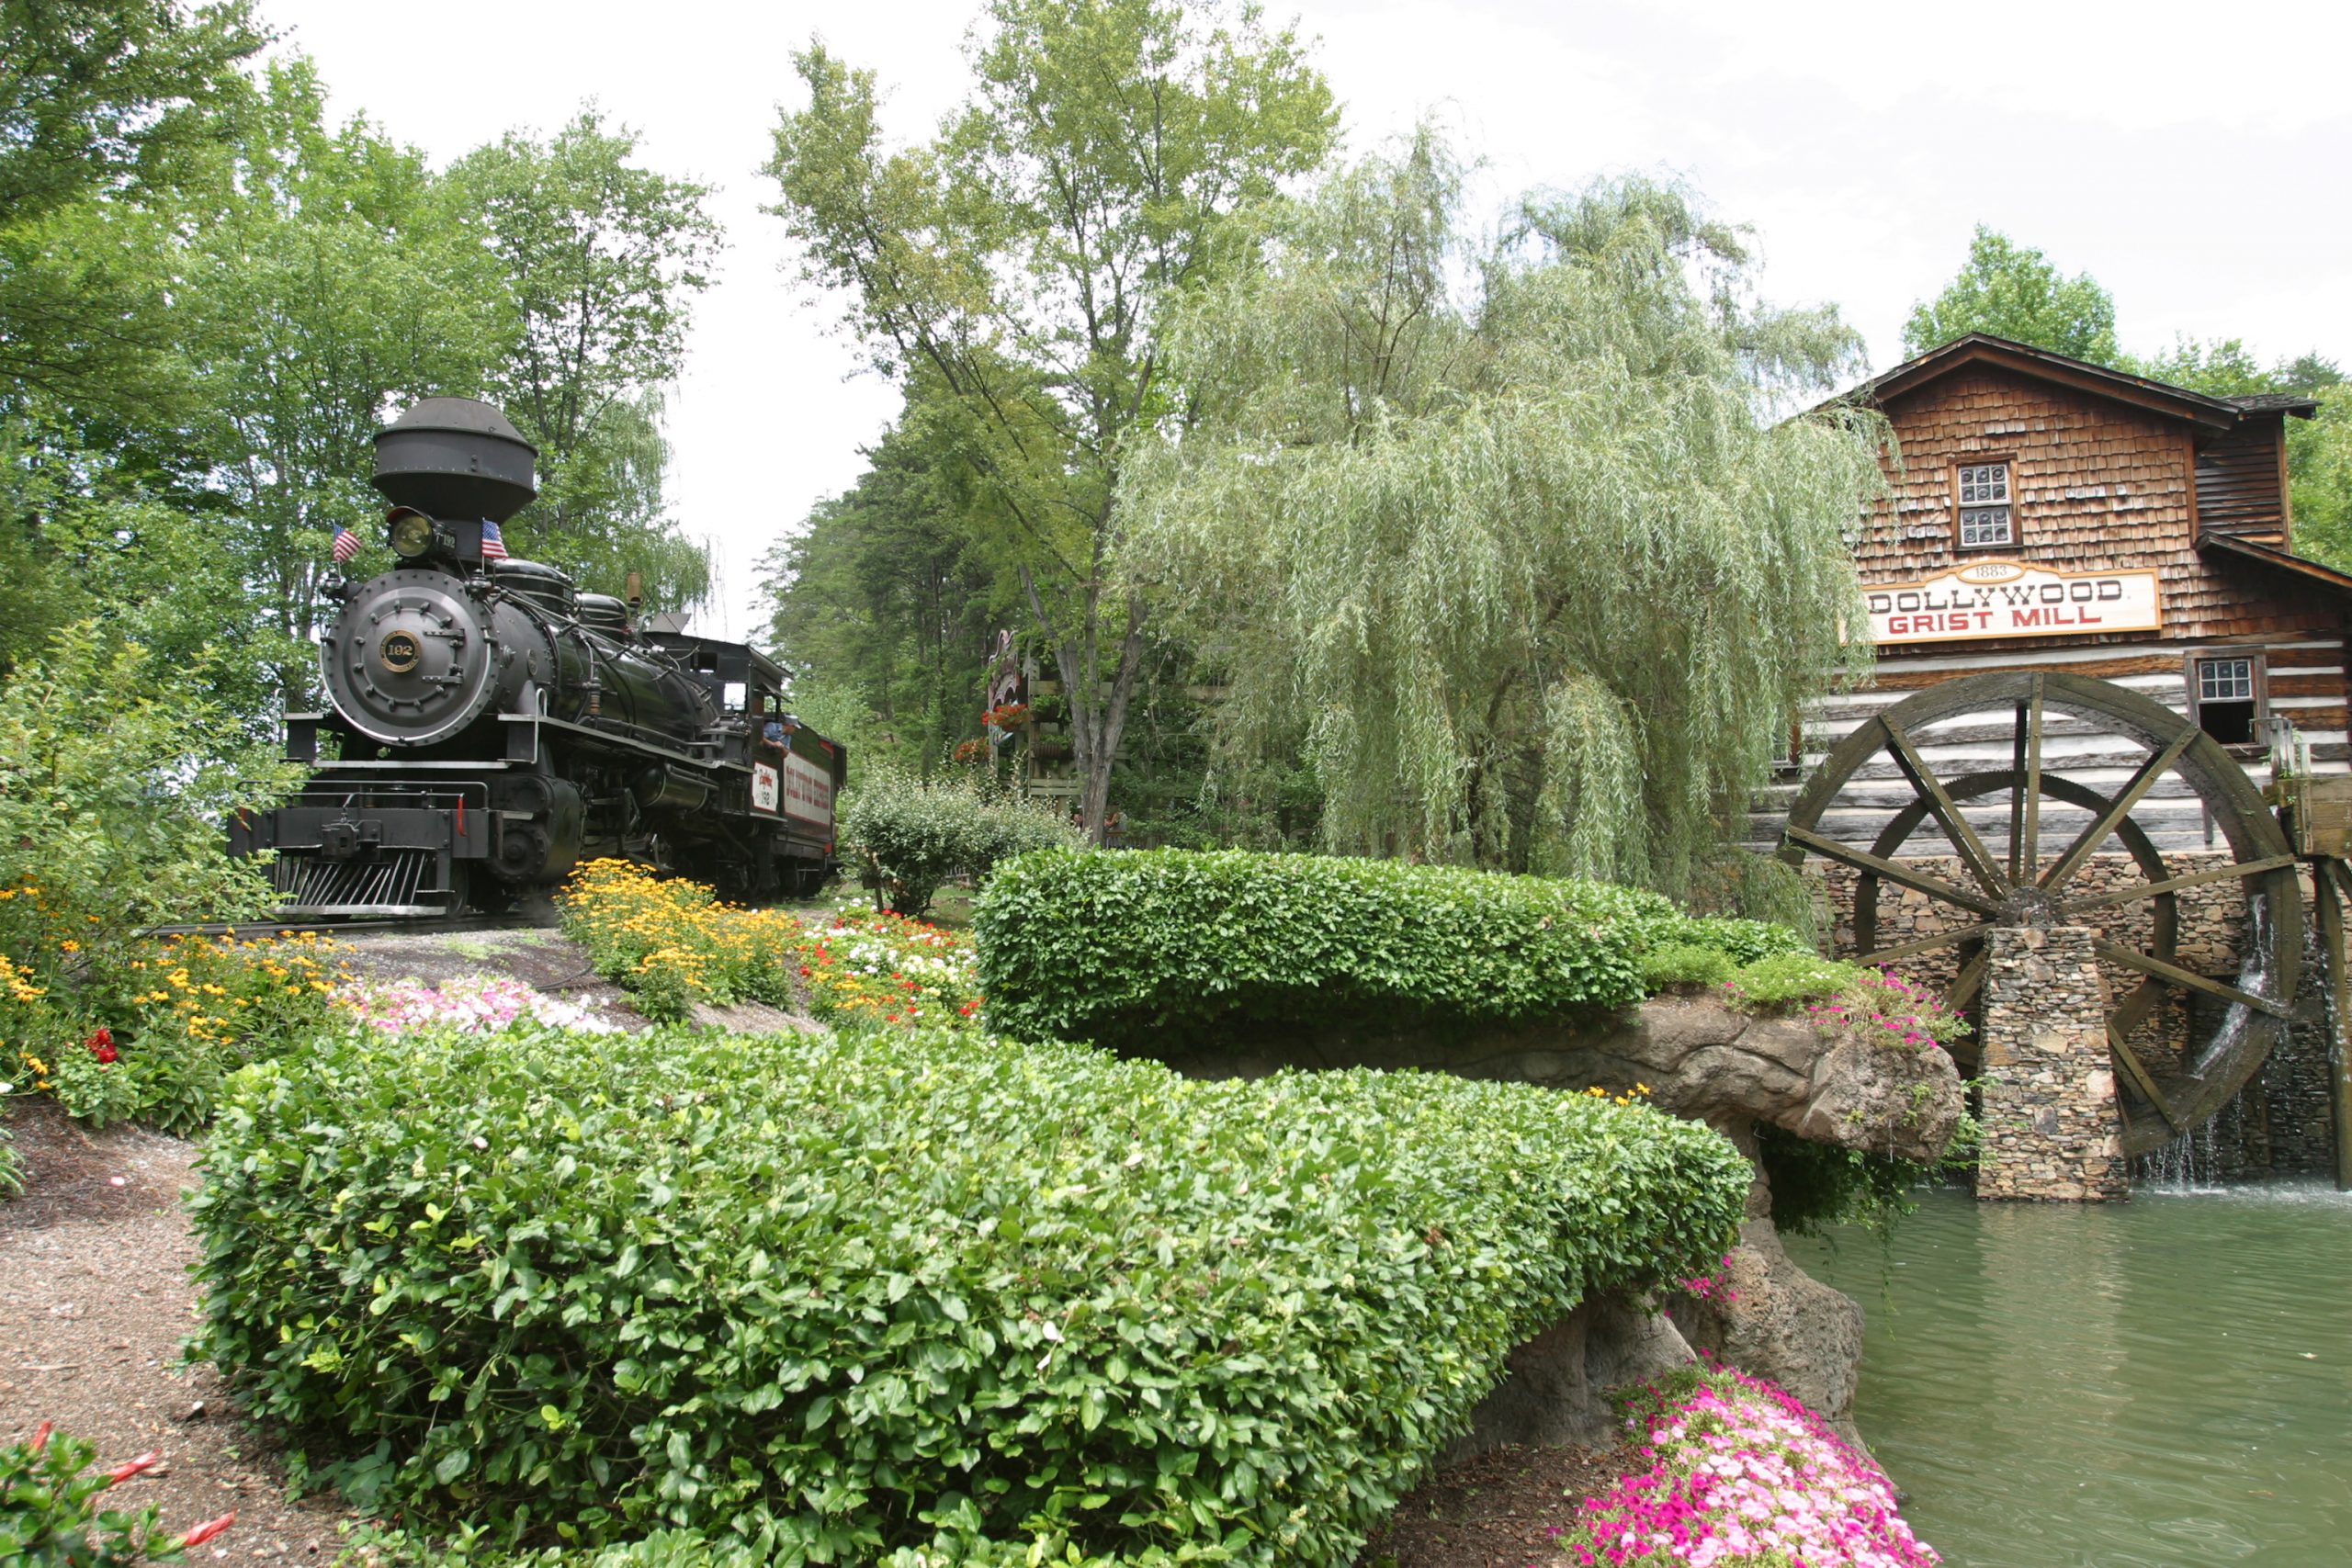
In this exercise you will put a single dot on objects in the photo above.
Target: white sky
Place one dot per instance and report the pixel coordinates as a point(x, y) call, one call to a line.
point(2194, 160)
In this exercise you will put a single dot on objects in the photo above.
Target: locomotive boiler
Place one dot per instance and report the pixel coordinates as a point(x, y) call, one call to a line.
point(490, 725)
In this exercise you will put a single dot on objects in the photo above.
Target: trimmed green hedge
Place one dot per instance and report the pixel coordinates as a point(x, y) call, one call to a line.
point(1177, 947)
point(842, 1298)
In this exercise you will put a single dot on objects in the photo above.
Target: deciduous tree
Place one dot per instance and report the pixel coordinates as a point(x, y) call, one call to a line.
point(2013, 291)
point(1014, 275)
point(604, 258)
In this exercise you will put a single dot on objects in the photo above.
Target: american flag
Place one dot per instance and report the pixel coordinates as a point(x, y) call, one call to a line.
point(346, 544)
point(492, 547)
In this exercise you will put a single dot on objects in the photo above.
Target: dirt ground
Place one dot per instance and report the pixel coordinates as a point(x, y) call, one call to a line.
point(95, 1300)
point(1506, 1508)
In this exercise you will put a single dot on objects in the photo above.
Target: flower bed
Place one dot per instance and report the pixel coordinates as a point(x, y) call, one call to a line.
point(902, 1297)
point(1742, 1472)
point(154, 1035)
point(673, 943)
point(1879, 1001)
point(887, 969)
point(475, 1005)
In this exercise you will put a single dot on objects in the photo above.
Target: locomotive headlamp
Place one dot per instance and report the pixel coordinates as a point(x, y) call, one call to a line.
point(411, 532)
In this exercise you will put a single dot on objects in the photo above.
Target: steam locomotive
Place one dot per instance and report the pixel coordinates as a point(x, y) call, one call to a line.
point(491, 726)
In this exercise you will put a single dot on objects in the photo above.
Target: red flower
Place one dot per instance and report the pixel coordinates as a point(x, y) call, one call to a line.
point(129, 1468)
point(207, 1529)
point(102, 1045)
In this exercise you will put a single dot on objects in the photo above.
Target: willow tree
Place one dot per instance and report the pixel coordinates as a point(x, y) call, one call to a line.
point(1513, 539)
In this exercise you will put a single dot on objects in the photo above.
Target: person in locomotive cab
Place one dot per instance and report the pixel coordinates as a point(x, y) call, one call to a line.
point(779, 729)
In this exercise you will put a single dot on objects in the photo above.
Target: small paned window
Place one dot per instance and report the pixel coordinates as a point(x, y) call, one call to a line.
point(2226, 700)
point(1984, 517)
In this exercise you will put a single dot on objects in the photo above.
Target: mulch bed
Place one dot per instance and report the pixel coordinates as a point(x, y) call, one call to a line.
point(1504, 1508)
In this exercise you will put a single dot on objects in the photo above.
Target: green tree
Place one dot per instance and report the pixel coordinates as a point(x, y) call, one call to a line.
point(2222, 368)
point(323, 285)
point(99, 100)
point(604, 258)
point(2319, 466)
point(1014, 275)
point(1532, 565)
point(2011, 291)
point(879, 598)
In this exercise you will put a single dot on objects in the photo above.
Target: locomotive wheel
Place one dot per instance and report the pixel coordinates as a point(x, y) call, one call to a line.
point(2008, 886)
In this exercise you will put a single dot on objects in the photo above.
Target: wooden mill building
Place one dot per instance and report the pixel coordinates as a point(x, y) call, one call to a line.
point(2046, 514)
point(2049, 518)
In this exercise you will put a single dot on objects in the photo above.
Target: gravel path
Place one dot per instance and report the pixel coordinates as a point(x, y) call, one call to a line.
point(95, 1300)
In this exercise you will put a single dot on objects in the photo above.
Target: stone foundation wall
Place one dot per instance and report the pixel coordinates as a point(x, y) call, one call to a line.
point(2051, 1130)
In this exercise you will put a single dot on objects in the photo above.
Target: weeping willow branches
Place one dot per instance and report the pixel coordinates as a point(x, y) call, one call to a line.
point(1511, 541)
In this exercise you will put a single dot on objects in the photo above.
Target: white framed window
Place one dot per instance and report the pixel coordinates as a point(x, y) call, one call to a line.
point(2225, 680)
point(2228, 692)
point(1985, 518)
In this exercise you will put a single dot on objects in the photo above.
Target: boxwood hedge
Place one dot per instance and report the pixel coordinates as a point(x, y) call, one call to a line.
point(937, 1297)
point(1178, 947)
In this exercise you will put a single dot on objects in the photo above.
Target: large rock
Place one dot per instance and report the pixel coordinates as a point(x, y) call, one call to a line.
point(1553, 1392)
point(1698, 1059)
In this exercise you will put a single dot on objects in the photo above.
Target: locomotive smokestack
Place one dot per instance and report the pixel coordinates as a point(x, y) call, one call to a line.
point(456, 457)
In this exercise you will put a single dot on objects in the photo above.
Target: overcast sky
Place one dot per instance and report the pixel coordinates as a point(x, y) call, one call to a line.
point(2197, 170)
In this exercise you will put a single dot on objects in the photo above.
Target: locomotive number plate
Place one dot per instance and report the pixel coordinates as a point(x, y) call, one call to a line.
point(767, 789)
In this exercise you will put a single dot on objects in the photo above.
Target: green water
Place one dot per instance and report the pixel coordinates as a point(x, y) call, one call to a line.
point(2163, 1383)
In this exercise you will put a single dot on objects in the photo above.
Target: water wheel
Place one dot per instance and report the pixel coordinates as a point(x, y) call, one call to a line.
point(2010, 875)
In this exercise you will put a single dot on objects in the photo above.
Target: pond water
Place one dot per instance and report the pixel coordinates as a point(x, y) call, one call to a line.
point(2162, 1383)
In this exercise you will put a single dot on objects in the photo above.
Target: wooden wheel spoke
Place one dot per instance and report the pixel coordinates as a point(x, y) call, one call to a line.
point(2025, 802)
point(2090, 837)
point(2142, 1079)
point(1892, 871)
point(1930, 789)
point(1951, 938)
point(2173, 884)
point(1967, 983)
point(2188, 977)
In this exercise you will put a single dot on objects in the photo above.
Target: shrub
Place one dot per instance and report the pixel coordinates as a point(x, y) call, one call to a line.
point(912, 838)
point(1742, 941)
point(1182, 945)
point(116, 774)
point(1685, 963)
point(849, 1296)
point(1785, 977)
point(51, 1514)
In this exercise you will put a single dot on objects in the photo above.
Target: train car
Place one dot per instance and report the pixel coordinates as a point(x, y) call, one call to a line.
point(491, 725)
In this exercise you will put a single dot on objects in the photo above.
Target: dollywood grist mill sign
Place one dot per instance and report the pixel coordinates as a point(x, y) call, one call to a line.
point(2007, 598)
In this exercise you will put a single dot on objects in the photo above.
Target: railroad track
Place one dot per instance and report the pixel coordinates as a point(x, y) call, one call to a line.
point(423, 925)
